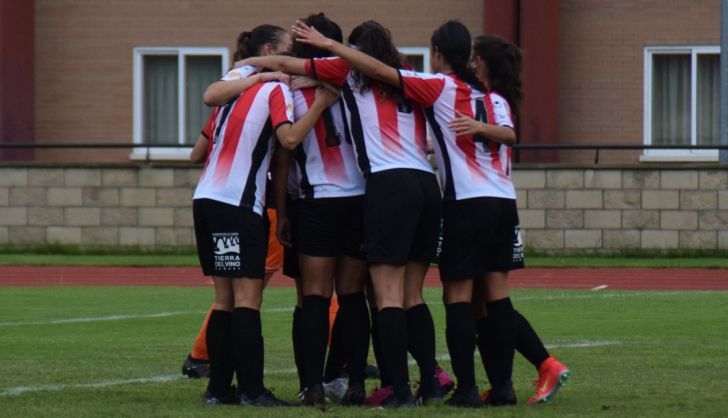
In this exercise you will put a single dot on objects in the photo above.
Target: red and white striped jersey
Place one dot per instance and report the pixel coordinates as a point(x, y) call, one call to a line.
point(208, 131)
point(236, 167)
point(386, 134)
point(326, 160)
point(470, 166)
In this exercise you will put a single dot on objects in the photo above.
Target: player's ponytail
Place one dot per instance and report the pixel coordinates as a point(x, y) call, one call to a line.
point(375, 40)
point(250, 43)
point(505, 62)
point(327, 27)
point(452, 40)
point(241, 48)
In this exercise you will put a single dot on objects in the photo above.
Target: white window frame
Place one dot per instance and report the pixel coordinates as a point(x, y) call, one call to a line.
point(153, 153)
point(676, 154)
point(418, 50)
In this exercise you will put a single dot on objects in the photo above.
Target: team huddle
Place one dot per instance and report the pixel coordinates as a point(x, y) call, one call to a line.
point(323, 146)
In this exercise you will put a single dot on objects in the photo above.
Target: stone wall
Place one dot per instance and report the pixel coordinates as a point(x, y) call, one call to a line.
point(124, 206)
point(613, 209)
point(560, 208)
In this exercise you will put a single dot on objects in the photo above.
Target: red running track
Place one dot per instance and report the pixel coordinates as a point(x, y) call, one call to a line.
point(574, 278)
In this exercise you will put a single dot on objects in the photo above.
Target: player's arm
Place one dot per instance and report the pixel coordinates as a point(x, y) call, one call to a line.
point(199, 151)
point(221, 92)
point(359, 60)
point(290, 135)
point(465, 125)
point(282, 159)
point(281, 63)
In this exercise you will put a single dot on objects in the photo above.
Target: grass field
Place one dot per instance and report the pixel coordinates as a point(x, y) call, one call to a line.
point(74, 351)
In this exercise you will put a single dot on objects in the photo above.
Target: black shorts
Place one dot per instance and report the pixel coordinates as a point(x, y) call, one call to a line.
point(232, 241)
point(480, 235)
point(330, 227)
point(402, 213)
point(290, 255)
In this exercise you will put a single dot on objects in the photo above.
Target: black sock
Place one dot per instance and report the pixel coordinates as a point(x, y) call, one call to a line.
point(297, 337)
point(502, 344)
point(355, 327)
point(528, 343)
point(460, 334)
point(248, 346)
point(315, 325)
point(220, 352)
point(393, 339)
point(335, 358)
point(483, 334)
point(377, 347)
point(421, 343)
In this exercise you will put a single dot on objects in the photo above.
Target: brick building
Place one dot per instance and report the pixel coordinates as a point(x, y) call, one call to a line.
point(597, 71)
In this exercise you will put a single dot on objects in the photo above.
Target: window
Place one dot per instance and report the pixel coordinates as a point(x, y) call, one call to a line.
point(168, 88)
point(416, 57)
point(682, 94)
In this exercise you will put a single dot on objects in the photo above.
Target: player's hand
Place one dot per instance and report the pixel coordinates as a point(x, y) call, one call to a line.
point(275, 75)
point(464, 124)
point(326, 96)
point(300, 82)
point(309, 35)
point(283, 232)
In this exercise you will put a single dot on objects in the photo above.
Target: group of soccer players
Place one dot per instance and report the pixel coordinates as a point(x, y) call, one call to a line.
point(343, 131)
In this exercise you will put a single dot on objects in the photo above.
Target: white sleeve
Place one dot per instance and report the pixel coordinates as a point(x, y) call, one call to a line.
point(499, 112)
point(239, 73)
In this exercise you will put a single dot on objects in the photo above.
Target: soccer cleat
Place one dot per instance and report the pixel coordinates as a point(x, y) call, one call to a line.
point(465, 398)
point(394, 402)
point(265, 400)
point(314, 396)
point(429, 393)
point(195, 369)
point(231, 398)
point(444, 380)
point(499, 396)
point(335, 389)
point(371, 372)
point(551, 376)
point(355, 395)
point(378, 396)
point(484, 396)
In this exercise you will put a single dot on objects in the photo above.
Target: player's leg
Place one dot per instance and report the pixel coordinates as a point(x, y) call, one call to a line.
point(218, 336)
point(197, 363)
point(389, 230)
point(247, 335)
point(351, 275)
point(420, 326)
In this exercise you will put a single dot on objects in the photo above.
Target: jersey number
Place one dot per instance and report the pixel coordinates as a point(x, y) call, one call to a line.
point(333, 139)
point(481, 116)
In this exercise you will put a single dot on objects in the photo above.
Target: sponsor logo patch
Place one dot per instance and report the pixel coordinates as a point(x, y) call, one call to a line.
point(517, 245)
point(227, 250)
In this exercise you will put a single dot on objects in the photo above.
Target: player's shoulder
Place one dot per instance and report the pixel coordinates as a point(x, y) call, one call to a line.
point(239, 73)
point(419, 74)
point(497, 100)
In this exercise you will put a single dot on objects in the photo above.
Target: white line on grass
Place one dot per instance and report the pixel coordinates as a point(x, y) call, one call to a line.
point(560, 296)
point(102, 384)
point(122, 317)
point(97, 318)
point(599, 295)
point(19, 390)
